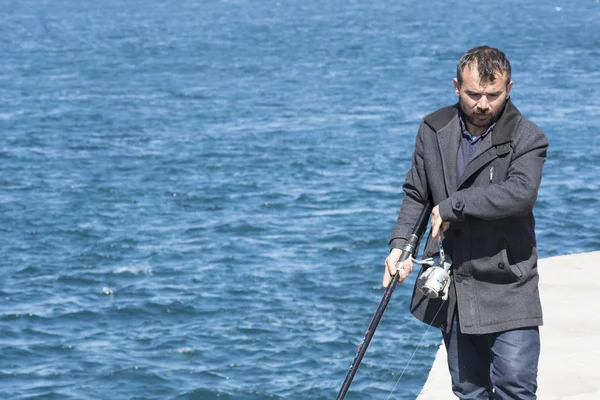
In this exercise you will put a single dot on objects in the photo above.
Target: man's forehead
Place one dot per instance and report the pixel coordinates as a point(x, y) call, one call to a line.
point(472, 80)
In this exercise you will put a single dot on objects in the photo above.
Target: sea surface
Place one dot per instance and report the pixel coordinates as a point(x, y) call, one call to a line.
point(196, 196)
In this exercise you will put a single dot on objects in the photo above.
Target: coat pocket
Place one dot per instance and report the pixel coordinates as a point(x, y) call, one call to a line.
point(505, 266)
point(514, 268)
point(496, 269)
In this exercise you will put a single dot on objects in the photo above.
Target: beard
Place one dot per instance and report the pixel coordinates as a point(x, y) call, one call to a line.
point(479, 118)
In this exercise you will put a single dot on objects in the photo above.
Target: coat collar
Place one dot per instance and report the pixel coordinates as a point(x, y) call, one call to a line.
point(445, 122)
point(507, 125)
point(448, 138)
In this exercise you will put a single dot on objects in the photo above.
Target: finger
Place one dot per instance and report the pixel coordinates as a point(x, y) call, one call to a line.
point(405, 269)
point(402, 274)
point(435, 231)
point(445, 226)
point(391, 267)
point(408, 265)
point(386, 279)
point(438, 228)
point(435, 224)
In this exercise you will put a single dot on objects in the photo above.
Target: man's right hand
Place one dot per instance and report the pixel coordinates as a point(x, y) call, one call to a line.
point(390, 267)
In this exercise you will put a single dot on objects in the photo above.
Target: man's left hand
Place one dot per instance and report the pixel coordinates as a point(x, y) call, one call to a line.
point(437, 225)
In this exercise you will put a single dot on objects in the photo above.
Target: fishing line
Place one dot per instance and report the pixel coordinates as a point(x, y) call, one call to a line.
point(414, 352)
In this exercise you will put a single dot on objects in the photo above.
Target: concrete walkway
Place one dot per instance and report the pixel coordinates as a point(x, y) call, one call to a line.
point(570, 358)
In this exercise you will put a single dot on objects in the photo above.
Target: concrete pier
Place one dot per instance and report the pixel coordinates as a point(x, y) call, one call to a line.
point(570, 337)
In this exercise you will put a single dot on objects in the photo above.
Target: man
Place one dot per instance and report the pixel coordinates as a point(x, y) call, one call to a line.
point(480, 163)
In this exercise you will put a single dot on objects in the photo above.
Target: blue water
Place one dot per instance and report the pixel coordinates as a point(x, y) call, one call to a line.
point(196, 196)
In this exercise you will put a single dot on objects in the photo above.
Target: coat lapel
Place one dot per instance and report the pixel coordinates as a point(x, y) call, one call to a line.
point(449, 142)
point(485, 153)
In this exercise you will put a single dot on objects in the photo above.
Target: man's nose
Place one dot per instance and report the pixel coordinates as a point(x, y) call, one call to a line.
point(483, 103)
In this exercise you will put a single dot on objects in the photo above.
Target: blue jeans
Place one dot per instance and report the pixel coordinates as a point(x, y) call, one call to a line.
point(495, 366)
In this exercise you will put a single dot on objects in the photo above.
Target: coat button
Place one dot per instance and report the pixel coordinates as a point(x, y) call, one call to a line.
point(458, 204)
point(501, 265)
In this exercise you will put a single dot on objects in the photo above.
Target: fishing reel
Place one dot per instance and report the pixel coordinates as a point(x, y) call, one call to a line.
point(434, 282)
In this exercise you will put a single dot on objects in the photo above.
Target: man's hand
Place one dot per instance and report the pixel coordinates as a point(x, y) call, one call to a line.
point(437, 225)
point(390, 267)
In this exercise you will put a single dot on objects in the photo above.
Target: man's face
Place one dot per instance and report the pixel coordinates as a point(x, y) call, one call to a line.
point(481, 101)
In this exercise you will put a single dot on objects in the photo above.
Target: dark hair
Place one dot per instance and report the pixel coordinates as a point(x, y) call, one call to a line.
point(489, 60)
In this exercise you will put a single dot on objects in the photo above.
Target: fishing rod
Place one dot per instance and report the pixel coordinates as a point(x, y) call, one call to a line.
point(409, 249)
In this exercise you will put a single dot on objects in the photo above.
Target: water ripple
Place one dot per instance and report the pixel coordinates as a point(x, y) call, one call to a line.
point(197, 198)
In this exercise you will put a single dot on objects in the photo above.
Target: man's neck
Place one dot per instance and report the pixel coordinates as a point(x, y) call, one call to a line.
point(476, 130)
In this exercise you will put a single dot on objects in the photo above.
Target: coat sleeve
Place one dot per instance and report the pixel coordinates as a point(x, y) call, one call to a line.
point(416, 191)
point(515, 196)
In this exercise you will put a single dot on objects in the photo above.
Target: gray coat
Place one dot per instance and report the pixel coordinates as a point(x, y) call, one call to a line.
point(491, 238)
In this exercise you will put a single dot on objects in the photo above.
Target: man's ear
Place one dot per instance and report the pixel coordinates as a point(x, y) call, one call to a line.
point(457, 87)
point(508, 87)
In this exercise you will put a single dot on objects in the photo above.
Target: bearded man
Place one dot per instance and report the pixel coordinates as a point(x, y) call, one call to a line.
point(480, 163)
